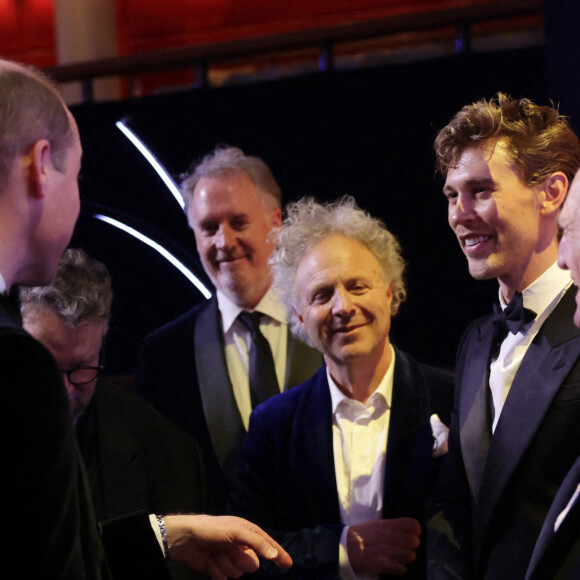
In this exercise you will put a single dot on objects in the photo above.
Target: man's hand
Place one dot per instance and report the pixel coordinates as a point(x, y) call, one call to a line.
point(222, 546)
point(383, 546)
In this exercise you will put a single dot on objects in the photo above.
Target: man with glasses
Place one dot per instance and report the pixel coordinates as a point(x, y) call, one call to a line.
point(136, 459)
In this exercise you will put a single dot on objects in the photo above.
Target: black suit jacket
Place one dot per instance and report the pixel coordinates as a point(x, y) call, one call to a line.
point(496, 491)
point(136, 459)
point(557, 554)
point(287, 479)
point(182, 371)
point(52, 530)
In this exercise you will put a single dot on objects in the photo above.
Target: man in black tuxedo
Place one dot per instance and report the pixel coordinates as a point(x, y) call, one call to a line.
point(52, 530)
point(197, 369)
point(515, 431)
point(339, 468)
point(557, 551)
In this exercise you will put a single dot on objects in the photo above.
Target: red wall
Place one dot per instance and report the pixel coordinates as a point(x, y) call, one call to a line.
point(27, 31)
point(27, 26)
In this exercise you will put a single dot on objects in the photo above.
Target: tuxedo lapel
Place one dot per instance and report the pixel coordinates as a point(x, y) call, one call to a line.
point(548, 360)
point(301, 363)
point(410, 439)
point(473, 415)
point(222, 416)
point(312, 454)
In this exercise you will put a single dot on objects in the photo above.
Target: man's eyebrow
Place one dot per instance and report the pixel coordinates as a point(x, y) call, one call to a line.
point(472, 182)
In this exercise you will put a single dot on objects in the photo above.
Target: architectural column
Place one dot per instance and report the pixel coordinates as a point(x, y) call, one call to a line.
point(86, 30)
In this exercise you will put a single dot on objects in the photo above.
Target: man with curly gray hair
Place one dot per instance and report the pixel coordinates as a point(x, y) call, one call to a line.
point(341, 466)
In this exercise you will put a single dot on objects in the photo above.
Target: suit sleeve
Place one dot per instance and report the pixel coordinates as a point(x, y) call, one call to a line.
point(260, 495)
point(52, 532)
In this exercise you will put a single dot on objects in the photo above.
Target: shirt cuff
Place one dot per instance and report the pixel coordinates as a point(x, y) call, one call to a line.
point(156, 531)
point(345, 572)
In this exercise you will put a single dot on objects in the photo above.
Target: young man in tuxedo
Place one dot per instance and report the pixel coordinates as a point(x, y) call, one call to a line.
point(515, 431)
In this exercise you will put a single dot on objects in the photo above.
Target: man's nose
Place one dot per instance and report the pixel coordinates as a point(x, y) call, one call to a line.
point(342, 303)
point(225, 237)
point(462, 210)
point(70, 388)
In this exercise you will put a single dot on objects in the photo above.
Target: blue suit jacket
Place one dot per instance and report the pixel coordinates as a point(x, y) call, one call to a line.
point(496, 491)
point(182, 371)
point(287, 480)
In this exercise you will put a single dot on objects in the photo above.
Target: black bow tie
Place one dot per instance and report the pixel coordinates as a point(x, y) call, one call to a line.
point(513, 317)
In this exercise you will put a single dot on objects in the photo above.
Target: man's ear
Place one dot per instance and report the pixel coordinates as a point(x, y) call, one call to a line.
point(299, 316)
point(553, 193)
point(277, 218)
point(39, 166)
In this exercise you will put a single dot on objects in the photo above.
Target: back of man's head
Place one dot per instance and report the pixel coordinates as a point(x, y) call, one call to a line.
point(539, 140)
point(30, 109)
point(81, 291)
point(229, 160)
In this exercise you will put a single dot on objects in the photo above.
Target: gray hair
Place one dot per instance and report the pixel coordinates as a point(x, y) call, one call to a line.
point(308, 223)
point(80, 291)
point(231, 160)
point(30, 109)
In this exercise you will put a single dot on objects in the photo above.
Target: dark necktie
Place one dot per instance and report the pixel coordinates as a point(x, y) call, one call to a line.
point(263, 382)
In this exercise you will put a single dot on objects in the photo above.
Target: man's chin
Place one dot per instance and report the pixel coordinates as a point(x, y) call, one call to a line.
point(480, 269)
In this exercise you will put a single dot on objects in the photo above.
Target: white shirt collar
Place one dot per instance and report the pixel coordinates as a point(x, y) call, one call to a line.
point(540, 293)
point(269, 305)
point(384, 390)
point(2, 284)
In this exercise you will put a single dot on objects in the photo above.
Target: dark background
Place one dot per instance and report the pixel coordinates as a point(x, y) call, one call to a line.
point(367, 133)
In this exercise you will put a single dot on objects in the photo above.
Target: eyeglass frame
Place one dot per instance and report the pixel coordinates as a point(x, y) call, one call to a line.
point(98, 369)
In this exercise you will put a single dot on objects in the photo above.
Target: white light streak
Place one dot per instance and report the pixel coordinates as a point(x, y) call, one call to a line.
point(169, 257)
point(144, 150)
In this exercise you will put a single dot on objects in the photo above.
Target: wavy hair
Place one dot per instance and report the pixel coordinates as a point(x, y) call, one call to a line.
point(81, 291)
point(308, 222)
point(539, 139)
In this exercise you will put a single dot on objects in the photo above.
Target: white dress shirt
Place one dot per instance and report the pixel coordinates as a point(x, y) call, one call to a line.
point(237, 340)
point(359, 438)
point(541, 296)
point(2, 284)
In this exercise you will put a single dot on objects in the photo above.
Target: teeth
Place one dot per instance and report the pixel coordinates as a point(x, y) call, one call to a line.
point(473, 241)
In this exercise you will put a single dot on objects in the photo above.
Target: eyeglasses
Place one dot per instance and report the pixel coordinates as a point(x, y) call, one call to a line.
point(79, 376)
